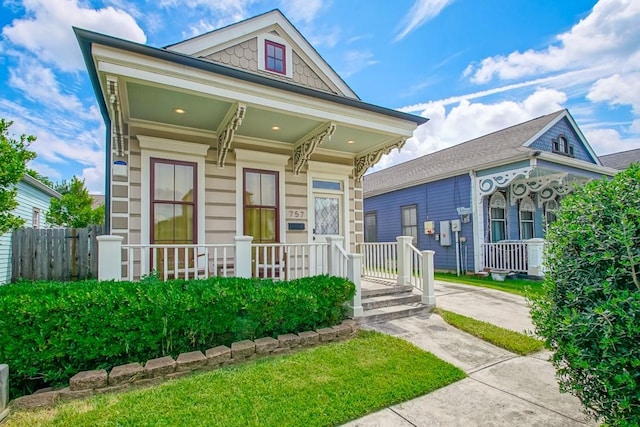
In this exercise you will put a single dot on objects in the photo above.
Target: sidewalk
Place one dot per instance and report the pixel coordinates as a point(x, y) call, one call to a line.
point(502, 388)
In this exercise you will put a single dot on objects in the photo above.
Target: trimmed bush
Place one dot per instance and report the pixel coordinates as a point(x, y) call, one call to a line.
point(52, 330)
point(589, 314)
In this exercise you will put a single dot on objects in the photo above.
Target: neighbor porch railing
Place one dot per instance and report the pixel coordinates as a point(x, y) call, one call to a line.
point(518, 256)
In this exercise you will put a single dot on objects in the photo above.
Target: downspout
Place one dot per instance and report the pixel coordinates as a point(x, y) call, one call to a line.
point(107, 177)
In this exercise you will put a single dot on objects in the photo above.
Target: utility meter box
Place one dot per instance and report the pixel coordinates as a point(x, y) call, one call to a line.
point(455, 225)
point(445, 233)
point(429, 227)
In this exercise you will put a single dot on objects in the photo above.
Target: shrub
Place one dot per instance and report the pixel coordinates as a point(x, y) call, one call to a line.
point(52, 330)
point(589, 313)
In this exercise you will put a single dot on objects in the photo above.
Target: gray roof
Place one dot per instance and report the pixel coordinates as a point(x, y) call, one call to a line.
point(494, 148)
point(620, 160)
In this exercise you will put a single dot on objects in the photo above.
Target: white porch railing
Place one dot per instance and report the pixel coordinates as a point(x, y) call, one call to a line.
point(518, 256)
point(379, 260)
point(289, 260)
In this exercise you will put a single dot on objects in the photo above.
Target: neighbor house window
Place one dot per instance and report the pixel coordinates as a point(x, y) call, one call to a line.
point(261, 205)
point(527, 209)
point(371, 227)
point(410, 222)
point(561, 145)
point(275, 57)
point(35, 221)
point(173, 202)
point(497, 217)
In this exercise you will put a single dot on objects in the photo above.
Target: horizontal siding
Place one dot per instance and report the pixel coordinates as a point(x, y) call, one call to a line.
point(563, 127)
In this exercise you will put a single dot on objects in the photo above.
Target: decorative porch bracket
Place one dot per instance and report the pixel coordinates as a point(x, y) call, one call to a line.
point(490, 183)
point(117, 139)
point(366, 160)
point(562, 189)
point(227, 129)
point(521, 188)
point(304, 148)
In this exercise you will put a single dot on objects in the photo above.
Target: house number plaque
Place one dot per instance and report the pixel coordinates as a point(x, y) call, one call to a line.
point(296, 213)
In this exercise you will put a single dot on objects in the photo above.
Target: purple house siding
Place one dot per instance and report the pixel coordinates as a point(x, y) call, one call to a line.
point(436, 201)
point(563, 127)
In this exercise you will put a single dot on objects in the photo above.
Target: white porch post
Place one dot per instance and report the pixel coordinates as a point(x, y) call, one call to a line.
point(4, 390)
point(242, 262)
point(110, 257)
point(354, 265)
point(404, 260)
point(333, 255)
point(428, 284)
point(535, 256)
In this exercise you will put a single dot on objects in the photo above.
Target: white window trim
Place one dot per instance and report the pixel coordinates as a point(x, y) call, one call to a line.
point(288, 57)
point(502, 205)
point(36, 214)
point(260, 161)
point(527, 205)
point(169, 149)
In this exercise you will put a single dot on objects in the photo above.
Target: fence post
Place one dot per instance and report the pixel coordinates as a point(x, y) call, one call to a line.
point(535, 257)
point(404, 260)
point(428, 284)
point(354, 265)
point(110, 257)
point(242, 263)
point(333, 260)
point(4, 390)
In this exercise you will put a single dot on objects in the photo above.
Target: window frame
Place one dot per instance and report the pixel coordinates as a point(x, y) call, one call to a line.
point(276, 206)
point(526, 205)
point(367, 227)
point(495, 196)
point(277, 47)
point(561, 145)
point(404, 226)
point(262, 55)
point(36, 218)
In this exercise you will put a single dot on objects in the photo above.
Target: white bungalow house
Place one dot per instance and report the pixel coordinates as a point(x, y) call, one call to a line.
point(243, 137)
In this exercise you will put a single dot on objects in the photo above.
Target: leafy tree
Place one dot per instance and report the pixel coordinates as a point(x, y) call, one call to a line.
point(74, 208)
point(43, 179)
point(589, 314)
point(14, 155)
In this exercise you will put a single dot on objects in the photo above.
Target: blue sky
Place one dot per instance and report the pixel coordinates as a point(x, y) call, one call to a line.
point(471, 66)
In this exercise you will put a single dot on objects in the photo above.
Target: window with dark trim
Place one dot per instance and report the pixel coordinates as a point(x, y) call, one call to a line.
point(173, 202)
point(260, 206)
point(497, 217)
point(35, 220)
point(409, 221)
point(560, 145)
point(371, 227)
point(275, 57)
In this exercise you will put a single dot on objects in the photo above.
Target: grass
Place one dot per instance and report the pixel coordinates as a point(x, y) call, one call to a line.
point(509, 340)
point(323, 386)
point(515, 286)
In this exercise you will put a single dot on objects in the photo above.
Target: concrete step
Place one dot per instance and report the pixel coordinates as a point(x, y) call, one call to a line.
point(389, 300)
point(393, 312)
point(386, 290)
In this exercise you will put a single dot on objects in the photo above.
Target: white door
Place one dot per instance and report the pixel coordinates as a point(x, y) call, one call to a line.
point(327, 222)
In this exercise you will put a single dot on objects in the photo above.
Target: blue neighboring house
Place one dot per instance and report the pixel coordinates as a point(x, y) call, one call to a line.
point(483, 204)
point(33, 203)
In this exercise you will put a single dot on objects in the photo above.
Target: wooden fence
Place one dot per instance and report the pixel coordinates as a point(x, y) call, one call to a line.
point(55, 253)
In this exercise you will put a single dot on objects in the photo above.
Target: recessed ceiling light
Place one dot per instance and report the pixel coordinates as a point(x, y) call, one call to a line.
point(351, 141)
point(275, 127)
point(179, 110)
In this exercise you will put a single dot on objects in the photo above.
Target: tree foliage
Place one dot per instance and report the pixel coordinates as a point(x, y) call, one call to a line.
point(14, 155)
point(74, 209)
point(589, 314)
point(43, 179)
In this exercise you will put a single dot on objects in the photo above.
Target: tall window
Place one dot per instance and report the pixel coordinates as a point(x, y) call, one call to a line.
point(370, 227)
point(410, 222)
point(275, 57)
point(527, 209)
point(550, 208)
point(261, 205)
point(173, 201)
point(35, 221)
point(497, 217)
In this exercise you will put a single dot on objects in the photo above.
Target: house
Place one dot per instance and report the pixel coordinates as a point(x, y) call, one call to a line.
point(33, 199)
point(484, 204)
point(621, 160)
point(244, 131)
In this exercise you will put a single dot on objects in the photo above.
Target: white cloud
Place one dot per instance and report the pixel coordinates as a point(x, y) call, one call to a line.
point(46, 32)
point(421, 12)
point(618, 90)
point(605, 141)
point(301, 11)
point(355, 61)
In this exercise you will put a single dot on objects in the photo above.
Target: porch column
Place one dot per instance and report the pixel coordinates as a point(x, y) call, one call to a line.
point(242, 262)
point(4, 390)
point(110, 257)
point(354, 264)
point(404, 260)
point(428, 283)
point(333, 255)
point(535, 256)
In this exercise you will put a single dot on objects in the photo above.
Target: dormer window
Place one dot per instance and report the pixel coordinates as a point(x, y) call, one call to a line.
point(275, 58)
point(561, 145)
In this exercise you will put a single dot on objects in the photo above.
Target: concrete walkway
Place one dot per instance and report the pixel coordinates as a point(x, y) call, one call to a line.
point(502, 388)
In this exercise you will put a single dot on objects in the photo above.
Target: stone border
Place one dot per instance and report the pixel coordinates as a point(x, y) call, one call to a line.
point(156, 371)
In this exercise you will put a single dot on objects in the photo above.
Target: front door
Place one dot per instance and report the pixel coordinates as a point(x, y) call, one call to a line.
point(327, 222)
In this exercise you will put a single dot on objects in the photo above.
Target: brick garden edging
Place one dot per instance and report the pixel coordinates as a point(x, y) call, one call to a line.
point(156, 371)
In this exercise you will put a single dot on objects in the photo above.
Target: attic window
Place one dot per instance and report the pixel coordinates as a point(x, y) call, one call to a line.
point(561, 145)
point(275, 57)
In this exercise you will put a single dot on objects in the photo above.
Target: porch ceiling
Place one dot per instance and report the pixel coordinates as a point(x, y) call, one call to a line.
point(155, 105)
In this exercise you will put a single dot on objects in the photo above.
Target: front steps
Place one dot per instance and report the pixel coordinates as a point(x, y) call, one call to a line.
point(390, 302)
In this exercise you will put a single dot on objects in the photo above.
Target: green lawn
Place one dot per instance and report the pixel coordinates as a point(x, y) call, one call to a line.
point(515, 286)
point(323, 386)
point(505, 338)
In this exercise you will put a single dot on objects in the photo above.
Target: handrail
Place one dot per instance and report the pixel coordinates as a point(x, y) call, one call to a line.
point(416, 268)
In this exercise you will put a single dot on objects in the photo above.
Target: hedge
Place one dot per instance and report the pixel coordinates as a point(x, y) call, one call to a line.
point(52, 330)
